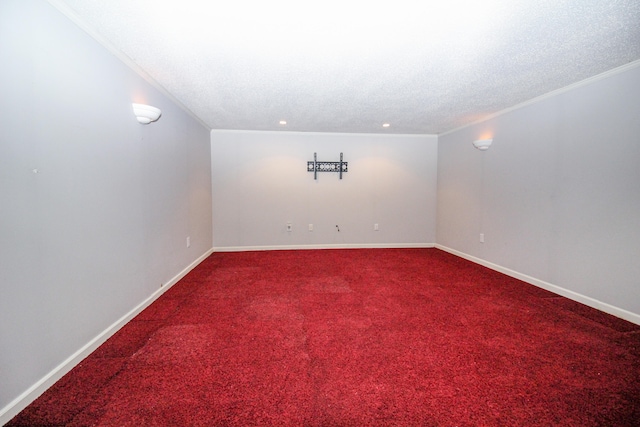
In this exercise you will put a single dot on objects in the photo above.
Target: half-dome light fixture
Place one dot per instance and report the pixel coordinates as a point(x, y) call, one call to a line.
point(146, 113)
point(482, 144)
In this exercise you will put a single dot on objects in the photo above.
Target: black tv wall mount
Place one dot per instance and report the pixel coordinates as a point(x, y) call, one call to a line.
point(315, 166)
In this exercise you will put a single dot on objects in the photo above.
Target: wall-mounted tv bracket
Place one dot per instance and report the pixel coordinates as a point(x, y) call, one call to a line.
point(315, 166)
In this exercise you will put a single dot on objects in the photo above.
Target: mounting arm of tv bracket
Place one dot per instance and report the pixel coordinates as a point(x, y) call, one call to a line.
point(315, 166)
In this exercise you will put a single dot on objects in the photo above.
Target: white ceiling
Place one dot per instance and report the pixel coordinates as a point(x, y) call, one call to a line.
point(425, 67)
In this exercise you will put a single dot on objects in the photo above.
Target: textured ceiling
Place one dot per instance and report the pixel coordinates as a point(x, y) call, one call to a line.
point(425, 67)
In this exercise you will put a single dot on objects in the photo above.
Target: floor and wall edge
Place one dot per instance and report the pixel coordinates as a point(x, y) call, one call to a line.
point(33, 392)
point(22, 401)
point(591, 302)
point(308, 247)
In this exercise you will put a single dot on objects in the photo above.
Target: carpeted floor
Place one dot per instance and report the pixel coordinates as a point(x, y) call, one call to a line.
point(360, 337)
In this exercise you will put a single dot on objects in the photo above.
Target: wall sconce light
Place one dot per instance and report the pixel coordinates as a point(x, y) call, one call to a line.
point(482, 144)
point(146, 113)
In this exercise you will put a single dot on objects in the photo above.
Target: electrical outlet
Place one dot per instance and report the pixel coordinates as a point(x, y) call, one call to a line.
point(188, 241)
point(481, 237)
point(289, 227)
point(310, 227)
point(375, 227)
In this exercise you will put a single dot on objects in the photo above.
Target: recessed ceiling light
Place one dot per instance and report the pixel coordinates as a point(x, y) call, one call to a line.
point(283, 122)
point(386, 125)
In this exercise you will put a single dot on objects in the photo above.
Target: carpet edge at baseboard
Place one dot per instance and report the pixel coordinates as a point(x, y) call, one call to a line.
point(572, 295)
point(33, 392)
point(328, 246)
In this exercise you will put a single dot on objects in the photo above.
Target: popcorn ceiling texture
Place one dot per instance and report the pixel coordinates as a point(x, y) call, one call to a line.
point(341, 66)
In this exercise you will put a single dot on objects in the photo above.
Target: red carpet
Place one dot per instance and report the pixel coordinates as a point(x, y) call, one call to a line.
point(379, 337)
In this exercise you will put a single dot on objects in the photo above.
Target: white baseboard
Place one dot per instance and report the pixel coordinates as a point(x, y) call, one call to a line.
point(33, 392)
point(591, 302)
point(22, 401)
point(340, 246)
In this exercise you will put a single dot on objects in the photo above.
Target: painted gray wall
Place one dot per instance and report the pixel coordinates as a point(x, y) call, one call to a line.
point(557, 195)
point(104, 221)
point(260, 182)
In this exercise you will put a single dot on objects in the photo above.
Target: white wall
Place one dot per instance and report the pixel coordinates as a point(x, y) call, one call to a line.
point(557, 196)
point(260, 182)
point(104, 221)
